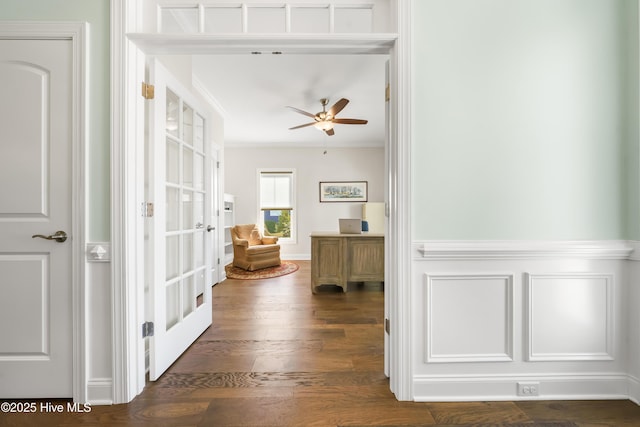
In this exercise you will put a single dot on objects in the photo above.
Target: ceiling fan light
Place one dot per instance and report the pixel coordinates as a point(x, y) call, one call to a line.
point(172, 124)
point(324, 125)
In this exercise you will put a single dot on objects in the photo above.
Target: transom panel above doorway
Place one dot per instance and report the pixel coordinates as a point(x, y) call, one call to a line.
point(259, 17)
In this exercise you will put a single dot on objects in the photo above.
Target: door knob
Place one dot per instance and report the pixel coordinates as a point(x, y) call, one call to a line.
point(210, 228)
point(59, 236)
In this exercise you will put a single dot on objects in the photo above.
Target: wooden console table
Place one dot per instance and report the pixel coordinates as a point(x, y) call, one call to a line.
point(340, 258)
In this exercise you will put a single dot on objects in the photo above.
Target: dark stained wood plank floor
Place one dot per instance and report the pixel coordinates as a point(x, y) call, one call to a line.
point(276, 355)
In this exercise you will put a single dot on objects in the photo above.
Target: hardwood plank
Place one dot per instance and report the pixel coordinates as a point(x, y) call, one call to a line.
point(585, 413)
point(276, 355)
point(477, 413)
point(320, 332)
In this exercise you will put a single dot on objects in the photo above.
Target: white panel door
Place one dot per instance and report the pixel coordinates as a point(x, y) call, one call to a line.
point(182, 227)
point(35, 199)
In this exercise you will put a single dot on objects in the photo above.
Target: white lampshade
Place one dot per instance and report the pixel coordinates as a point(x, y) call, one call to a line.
point(324, 125)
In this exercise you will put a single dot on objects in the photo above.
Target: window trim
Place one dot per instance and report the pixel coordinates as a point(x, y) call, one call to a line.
point(260, 218)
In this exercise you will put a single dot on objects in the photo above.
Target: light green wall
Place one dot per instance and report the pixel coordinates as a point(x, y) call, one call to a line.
point(525, 118)
point(632, 77)
point(522, 127)
point(96, 13)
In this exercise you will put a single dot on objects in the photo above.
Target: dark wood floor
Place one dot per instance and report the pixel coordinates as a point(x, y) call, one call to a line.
point(276, 355)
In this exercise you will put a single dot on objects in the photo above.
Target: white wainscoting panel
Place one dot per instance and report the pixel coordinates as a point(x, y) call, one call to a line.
point(570, 316)
point(491, 315)
point(469, 317)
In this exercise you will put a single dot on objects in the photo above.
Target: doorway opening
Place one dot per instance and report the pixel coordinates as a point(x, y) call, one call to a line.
point(130, 49)
point(237, 65)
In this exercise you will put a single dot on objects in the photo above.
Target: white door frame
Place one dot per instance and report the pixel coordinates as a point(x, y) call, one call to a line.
point(127, 184)
point(77, 33)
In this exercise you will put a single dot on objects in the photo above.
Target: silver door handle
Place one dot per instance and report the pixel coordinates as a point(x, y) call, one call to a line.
point(59, 236)
point(210, 228)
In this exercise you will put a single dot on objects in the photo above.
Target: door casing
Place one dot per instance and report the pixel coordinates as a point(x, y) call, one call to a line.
point(128, 56)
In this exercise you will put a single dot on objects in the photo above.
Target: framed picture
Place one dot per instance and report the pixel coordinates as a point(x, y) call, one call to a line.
point(343, 191)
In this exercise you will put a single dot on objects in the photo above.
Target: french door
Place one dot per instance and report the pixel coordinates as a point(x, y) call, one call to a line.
point(182, 227)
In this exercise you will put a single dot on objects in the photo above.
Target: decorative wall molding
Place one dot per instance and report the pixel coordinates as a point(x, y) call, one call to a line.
point(569, 316)
point(525, 249)
point(590, 354)
point(469, 317)
point(635, 250)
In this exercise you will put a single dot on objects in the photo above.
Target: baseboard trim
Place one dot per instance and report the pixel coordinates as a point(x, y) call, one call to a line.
point(100, 391)
point(504, 388)
point(634, 390)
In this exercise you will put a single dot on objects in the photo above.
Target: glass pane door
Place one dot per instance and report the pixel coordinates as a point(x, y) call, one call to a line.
point(184, 235)
point(180, 243)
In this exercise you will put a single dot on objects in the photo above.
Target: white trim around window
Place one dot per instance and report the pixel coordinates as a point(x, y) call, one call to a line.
point(291, 202)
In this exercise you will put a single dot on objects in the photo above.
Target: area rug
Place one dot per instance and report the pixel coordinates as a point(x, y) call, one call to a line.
point(286, 267)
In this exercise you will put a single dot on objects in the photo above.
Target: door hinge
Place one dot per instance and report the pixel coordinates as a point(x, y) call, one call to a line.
point(147, 329)
point(387, 93)
point(147, 210)
point(148, 91)
point(218, 261)
point(217, 165)
point(387, 326)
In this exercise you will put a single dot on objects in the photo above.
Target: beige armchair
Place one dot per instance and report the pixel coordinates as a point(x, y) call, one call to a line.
point(252, 251)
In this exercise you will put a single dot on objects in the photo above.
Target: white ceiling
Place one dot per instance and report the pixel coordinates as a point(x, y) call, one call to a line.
point(252, 92)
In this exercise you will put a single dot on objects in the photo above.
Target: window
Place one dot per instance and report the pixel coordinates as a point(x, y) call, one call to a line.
point(277, 204)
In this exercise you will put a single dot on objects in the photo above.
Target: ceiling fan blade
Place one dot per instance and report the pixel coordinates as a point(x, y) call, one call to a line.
point(337, 107)
point(302, 126)
point(329, 132)
point(350, 121)
point(313, 116)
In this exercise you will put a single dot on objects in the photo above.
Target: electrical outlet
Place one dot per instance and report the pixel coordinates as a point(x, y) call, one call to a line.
point(529, 388)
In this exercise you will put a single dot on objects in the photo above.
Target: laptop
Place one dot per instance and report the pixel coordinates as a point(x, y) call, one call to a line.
point(350, 226)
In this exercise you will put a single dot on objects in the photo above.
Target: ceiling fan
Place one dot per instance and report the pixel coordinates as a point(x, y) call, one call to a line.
point(325, 120)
